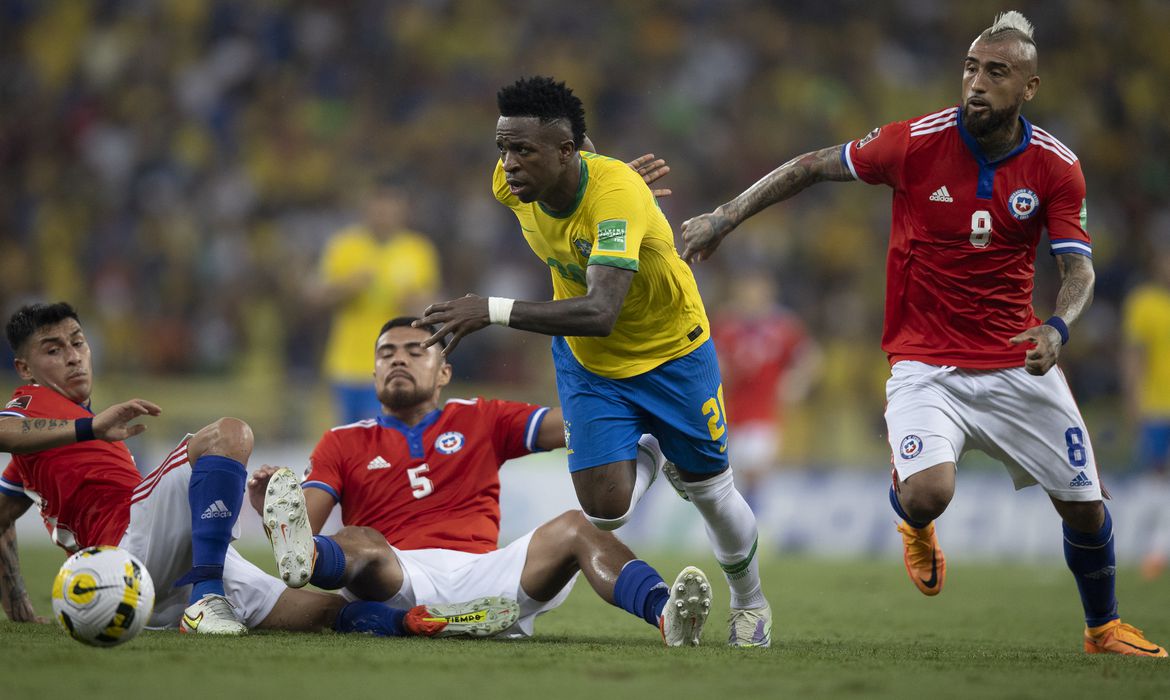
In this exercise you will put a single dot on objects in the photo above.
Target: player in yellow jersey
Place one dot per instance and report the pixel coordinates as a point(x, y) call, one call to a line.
point(631, 345)
point(370, 272)
point(1146, 375)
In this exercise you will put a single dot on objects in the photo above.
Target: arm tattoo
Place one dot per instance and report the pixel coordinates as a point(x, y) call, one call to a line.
point(789, 179)
point(28, 425)
point(1076, 286)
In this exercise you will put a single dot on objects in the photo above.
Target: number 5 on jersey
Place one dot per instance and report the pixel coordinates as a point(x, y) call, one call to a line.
point(420, 486)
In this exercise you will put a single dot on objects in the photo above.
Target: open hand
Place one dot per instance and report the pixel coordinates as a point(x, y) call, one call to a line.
point(257, 483)
point(459, 317)
point(651, 169)
point(113, 424)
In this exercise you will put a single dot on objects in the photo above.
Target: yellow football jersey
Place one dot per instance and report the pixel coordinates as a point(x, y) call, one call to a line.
point(406, 266)
point(616, 221)
point(1147, 324)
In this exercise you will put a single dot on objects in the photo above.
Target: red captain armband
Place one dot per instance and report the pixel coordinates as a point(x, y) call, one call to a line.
point(83, 428)
point(1061, 327)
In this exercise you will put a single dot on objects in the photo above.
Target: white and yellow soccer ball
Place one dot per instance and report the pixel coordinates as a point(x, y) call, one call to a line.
point(103, 596)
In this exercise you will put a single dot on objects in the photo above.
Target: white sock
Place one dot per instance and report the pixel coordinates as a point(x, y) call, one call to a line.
point(646, 466)
point(731, 527)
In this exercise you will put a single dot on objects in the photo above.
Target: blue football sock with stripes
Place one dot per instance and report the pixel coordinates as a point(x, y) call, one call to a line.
point(369, 617)
point(1091, 559)
point(329, 569)
point(640, 591)
point(215, 493)
point(897, 505)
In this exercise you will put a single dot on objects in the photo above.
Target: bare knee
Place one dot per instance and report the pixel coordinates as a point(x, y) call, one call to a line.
point(228, 437)
point(360, 542)
point(605, 492)
point(1082, 516)
point(925, 495)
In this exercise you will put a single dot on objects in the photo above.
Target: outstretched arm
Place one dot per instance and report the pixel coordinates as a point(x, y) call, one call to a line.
point(21, 435)
point(13, 594)
point(1076, 293)
point(703, 234)
point(592, 314)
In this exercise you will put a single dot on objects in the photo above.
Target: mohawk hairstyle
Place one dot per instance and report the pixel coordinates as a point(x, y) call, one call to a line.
point(1009, 25)
point(545, 99)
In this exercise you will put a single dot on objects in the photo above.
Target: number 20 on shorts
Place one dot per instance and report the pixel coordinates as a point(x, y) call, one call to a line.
point(716, 417)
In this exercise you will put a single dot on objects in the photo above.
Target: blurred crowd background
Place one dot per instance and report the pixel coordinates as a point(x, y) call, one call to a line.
point(174, 169)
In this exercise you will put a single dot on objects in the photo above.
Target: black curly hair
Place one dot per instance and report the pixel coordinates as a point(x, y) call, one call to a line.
point(545, 99)
point(30, 318)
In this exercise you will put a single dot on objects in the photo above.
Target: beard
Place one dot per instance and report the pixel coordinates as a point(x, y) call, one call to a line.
point(397, 398)
point(989, 122)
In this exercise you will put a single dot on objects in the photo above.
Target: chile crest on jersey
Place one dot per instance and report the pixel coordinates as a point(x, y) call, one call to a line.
point(1023, 203)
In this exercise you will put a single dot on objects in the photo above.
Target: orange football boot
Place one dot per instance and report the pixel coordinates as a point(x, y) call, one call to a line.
point(1116, 637)
point(924, 558)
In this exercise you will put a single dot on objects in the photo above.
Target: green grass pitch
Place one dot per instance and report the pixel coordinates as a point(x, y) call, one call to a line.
point(852, 628)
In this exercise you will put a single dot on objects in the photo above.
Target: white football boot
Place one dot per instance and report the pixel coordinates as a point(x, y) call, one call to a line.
point(750, 627)
point(686, 610)
point(286, 521)
point(212, 614)
point(483, 617)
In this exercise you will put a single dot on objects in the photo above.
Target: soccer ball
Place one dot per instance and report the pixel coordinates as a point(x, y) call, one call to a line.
point(103, 596)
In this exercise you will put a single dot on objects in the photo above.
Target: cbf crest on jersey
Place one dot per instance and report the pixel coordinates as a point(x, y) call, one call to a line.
point(584, 247)
point(1023, 203)
point(449, 443)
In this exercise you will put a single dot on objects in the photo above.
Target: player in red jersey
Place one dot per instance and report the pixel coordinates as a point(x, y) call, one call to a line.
point(178, 520)
point(767, 360)
point(975, 187)
point(419, 493)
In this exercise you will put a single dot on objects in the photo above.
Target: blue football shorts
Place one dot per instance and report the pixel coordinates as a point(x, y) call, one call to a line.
point(679, 402)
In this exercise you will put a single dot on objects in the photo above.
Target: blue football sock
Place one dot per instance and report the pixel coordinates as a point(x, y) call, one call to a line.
point(369, 617)
point(916, 524)
point(216, 492)
point(1091, 558)
point(640, 591)
point(329, 569)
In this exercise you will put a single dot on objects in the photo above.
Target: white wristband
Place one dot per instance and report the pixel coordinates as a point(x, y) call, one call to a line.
point(500, 310)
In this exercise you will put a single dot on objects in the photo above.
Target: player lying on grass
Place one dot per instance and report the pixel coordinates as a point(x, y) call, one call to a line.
point(972, 366)
point(419, 492)
point(178, 520)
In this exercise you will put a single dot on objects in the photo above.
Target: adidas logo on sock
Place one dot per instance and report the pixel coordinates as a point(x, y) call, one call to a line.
point(216, 510)
point(1080, 481)
point(378, 463)
point(941, 195)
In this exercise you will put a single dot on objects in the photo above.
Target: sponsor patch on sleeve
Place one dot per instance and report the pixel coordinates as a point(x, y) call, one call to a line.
point(611, 236)
point(20, 402)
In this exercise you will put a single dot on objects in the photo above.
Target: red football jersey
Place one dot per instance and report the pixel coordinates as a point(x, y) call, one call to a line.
point(755, 354)
point(963, 235)
point(432, 486)
point(82, 490)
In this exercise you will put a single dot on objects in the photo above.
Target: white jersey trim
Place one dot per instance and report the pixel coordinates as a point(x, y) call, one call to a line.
point(849, 160)
point(931, 130)
point(465, 402)
point(932, 118)
point(1049, 145)
point(1042, 135)
point(534, 422)
point(1070, 246)
point(364, 423)
point(14, 414)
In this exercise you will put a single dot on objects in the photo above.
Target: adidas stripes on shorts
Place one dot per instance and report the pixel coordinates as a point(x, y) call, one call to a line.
point(160, 536)
point(935, 414)
point(437, 576)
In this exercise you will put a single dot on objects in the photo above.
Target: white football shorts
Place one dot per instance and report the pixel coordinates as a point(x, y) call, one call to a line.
point(160, 536)
point(437, 576)
point(935, 414)
point(754, 446)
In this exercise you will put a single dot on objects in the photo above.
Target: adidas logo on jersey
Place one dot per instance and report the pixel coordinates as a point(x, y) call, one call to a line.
point(216, 510)
point(378, 463)
point(941, 195)
point(1080, 481)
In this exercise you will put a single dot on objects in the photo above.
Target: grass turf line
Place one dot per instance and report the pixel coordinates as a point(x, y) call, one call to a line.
point(853, 628)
